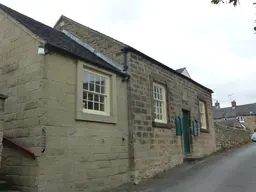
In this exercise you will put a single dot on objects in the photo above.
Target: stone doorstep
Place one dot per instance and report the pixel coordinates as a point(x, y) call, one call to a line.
point(5, 184)
point(189, 158)
point(6, 187)
point(10, 191)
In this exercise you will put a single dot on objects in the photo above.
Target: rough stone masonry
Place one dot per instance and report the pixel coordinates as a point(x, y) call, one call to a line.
point(152, 148)
point(229, 137)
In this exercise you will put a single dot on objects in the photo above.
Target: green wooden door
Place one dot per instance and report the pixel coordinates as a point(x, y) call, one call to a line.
point(186, 133)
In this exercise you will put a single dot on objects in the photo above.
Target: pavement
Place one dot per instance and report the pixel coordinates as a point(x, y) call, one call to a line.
point(230, 171)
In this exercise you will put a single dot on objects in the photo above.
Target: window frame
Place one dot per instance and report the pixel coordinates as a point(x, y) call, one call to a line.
point(107, 104)
point(84, 115)
point(158, 79)
point(206, 128)
point(164, 101)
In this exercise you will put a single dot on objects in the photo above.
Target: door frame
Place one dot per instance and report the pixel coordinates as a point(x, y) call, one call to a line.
point(186, 134)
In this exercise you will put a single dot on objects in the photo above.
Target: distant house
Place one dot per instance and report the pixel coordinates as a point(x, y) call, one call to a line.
point(183, 71)
point(244, 114)
point(233, 122)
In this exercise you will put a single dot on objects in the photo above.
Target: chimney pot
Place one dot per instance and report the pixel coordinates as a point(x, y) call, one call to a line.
point(217, 104)
point(233, 104)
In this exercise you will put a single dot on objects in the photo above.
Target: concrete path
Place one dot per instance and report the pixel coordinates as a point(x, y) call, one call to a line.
point(232, 171)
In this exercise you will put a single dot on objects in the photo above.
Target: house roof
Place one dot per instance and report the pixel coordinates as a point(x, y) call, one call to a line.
point(240, 110)
point(232, 123)
point(131, 49)
point(127, 48)
point(59, 40)
point(180, 70)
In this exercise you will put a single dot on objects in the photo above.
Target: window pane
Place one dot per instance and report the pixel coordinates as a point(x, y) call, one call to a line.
point(103, 81)
point(91, 78)
point(90, 105)
point(96, 98)
point(85, 86)
point(97, 79)
point(90, 96)
point(102, 107)
point(91, 87)
point(103, 91)
point(161, 96)
point(97, 88)
point(96, 106)
point(86, 77)
point(201, 107)
point(101, 98)
point(85, 105)
point(84, 95)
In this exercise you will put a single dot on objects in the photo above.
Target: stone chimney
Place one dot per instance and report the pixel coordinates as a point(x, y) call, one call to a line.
point(217, 105)
point(233, 104)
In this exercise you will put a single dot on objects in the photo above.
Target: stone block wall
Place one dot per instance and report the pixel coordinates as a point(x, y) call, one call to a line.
point(107, 45)
point(152, 149)
point(2, 99)
point(157, 149)
point(229, 137)
point(80, 155)
point(250, 122)
point(21, 72)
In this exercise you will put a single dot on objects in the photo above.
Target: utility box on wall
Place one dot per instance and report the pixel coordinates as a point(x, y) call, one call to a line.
point(2, 100)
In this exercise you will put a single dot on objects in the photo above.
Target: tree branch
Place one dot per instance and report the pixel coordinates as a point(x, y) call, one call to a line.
point(235, 2)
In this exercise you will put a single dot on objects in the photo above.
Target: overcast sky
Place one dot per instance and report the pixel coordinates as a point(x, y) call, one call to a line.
point(215, 43)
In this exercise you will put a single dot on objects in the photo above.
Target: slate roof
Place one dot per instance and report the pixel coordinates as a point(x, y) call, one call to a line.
point(131, 49)
point(58, 39)
point(240, 110)
point(232, 123)
point(127, 48)
point(180, 70)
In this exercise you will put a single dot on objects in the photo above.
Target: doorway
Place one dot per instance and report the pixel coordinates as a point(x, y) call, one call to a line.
point(186, 132)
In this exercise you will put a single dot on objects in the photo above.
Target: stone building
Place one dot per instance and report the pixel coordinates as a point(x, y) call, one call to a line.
point(85, 112)
point(159, 98)
point(66, 107)
point(245, 114)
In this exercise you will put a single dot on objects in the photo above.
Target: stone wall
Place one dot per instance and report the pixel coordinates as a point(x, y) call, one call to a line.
point(229, 137)
point(2, 99)
point(21, 72)
point(80, 155)
point(155, 148)
point(152, 149)
point(250, 122)
point(107, 45)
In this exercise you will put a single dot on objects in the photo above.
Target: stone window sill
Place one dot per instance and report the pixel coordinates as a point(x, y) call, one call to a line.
point(204, 131)
point(81, 116)
point(161, 125)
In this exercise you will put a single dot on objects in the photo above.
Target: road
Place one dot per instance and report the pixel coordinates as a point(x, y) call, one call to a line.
point(232, 171)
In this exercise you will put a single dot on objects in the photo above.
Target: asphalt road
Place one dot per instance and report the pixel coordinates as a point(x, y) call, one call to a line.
point(229, 172)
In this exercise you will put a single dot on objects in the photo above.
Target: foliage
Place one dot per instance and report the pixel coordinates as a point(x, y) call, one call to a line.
point(234, 2)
